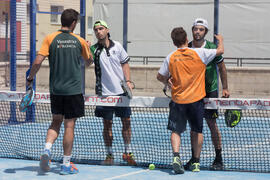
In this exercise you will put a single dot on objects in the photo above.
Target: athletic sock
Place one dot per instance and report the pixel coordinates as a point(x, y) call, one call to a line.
point(127, 148)
point(66, 161)
point(218, 154)
point(176, 154)
point(195, 160)
point(47, 147)
point(109, 150)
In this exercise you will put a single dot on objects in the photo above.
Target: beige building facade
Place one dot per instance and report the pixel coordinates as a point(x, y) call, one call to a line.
point(48, 23)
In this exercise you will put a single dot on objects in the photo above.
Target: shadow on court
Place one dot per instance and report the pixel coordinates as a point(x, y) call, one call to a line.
point(169, 171)
point(55, 168)
point(165, 170)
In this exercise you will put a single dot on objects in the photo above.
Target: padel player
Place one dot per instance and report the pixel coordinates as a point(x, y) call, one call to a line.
point(187, 70)
point(64, 50)
point(111, 67)
point(199, 30)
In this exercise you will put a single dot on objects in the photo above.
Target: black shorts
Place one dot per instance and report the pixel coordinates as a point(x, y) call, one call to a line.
point(211, 113)
point(106, 112)
point(181, 113)
point(70, 106)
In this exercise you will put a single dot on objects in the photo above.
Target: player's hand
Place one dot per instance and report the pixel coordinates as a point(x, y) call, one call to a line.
point(88, 43)
point(219, 37)
point(225, 93)
point(130, 85)
point(170, 84)
point(28, 81)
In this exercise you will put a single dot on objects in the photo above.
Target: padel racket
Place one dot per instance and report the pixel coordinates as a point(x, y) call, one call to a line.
point(165, 89)
point(232, 117)
point(27, 99)
point(126, 88)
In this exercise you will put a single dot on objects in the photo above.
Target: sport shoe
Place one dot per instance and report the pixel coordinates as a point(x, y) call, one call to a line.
point(217, 165)
point(68, 170)
point(109, 160)
point(45, 161)
point(177, 166)
point(130, 158)
point(195, 167)
point(187, 166)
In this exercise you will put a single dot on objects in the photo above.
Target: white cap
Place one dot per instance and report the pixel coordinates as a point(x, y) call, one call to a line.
point(200, 22)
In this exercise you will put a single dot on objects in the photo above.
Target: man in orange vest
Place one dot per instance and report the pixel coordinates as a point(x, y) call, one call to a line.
point(184, 71)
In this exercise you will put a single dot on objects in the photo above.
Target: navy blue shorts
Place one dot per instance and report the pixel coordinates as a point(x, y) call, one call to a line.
point(181, 113)
point(211, 113)
point(71, 106)
point(106, 112)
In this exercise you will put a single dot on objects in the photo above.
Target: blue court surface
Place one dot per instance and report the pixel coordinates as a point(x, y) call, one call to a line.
point(245, 147)
point(26, 169)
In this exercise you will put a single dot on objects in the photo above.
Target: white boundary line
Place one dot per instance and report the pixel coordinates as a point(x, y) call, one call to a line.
point(128, 174)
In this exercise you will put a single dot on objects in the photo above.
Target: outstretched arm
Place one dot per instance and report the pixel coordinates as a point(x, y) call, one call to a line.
point(35, 67)
point(220, 48)
point(89, 61)
point(223, 77)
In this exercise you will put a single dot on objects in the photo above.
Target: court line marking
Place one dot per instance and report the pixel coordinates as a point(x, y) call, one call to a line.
point(128, 174)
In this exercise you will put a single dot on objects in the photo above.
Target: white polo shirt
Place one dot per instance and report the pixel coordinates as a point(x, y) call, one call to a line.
point(111, 69)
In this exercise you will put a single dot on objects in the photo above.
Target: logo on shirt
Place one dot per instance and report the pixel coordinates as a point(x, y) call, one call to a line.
point(182, 57)
point(66, 44)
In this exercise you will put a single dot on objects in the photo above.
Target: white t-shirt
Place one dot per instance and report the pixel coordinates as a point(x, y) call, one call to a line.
point(111, 69)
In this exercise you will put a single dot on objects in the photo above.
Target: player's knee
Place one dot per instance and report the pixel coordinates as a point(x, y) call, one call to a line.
point(211, 123)
point(126, 127)
point(56, 127)
point(107, 125)
point(69, 123)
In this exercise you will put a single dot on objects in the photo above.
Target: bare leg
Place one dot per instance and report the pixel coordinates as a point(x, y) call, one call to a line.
point(189, 163)
point(52, 135)
point(192, 142)
point(107, 132)
point(54, 128)
point(126, 130)
point(175, 142)
point(216, 140)
point(215, 133)
point(197, 141)
point(126, 134)
point(108, 140)
point(68, 136)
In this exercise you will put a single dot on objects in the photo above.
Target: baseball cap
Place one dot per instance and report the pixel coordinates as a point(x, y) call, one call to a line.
point(100, 23)
point(200, 22)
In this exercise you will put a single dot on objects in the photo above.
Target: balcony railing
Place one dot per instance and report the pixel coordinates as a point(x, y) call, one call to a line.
point(157, 60)
point(231, 61)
